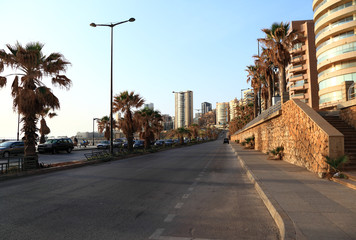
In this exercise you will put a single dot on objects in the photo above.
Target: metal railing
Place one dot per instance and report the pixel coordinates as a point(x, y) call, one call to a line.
point(11, 164)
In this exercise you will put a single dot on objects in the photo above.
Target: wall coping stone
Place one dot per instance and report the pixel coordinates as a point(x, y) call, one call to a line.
point(273, 115)
point(347, 104)
point(324, 125)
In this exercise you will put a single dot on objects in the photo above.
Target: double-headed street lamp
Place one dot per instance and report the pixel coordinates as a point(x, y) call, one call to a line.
point(112, 25)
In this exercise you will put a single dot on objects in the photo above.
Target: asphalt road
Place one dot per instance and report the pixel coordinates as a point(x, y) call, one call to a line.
point(198, 192)
point(62, 156)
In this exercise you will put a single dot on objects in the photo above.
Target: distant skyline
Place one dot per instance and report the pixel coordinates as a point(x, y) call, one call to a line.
point(177, 45)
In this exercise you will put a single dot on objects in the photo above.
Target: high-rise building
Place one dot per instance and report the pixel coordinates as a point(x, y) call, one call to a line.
point(183, 109)
point(335, 40)
point(302, 75)
point(247, 97)
point(167, 122)
point(148, 105)
point(233, 104)
point(222, 113)
point(205, 107)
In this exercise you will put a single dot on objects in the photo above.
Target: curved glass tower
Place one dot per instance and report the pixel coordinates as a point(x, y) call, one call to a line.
point(335, 40)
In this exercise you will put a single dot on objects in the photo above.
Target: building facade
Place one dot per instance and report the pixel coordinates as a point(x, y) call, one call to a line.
point(335, 40)
point(247, 97)
point(183, 109)
point(222, 113)
point(302, 75)
point(205, 107)
point(148, 105)
point(233, 104)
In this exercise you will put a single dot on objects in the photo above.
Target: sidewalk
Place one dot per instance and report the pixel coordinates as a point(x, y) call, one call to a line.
point(303, 205)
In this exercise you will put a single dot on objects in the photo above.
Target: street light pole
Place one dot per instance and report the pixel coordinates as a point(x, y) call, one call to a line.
point(93, 128)
point(112, 25)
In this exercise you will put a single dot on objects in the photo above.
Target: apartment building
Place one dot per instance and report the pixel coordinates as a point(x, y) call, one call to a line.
point(183, 109)
point(222, 113)
point(205, 107)
point(302, 75)
point(247, 97)
point(233, 104)
point(335, 40)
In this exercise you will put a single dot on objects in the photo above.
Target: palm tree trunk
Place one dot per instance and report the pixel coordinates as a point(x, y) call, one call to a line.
point(255, 104)
point(30, 138)
point(283, 85)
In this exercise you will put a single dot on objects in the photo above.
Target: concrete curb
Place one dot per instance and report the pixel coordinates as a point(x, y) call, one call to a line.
point(284, 223)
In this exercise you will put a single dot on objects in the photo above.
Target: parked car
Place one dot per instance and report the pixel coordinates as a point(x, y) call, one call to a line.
point(226, 140)
point(169, 142)
point(9, 148)
point(56, 145)
point(159, 143)
point(139, 144)
point(103, 144)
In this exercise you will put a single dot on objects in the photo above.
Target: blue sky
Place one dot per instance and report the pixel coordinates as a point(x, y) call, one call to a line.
point(174, 45)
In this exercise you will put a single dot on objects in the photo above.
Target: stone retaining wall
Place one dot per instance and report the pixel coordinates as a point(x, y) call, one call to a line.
point(304, 134)
point(348, 112)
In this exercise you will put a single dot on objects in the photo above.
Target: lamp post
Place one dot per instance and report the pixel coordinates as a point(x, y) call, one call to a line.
point(112, 25)
point(93, 127)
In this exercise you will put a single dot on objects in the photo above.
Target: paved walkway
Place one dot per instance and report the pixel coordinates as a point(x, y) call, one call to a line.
point(303, 205)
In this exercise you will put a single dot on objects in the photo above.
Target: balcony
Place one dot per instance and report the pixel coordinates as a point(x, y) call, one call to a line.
point(298, 77)
point(298, 96)
point(298, 59)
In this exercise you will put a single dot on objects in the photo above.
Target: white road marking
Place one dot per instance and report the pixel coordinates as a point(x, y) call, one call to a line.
point(190, 189)
point(179, 205)
point(197, 179)
point(169, 218)
point(186, 195)
point(157, 234)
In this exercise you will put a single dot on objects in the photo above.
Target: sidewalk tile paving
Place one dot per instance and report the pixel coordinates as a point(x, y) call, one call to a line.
point(317, 208)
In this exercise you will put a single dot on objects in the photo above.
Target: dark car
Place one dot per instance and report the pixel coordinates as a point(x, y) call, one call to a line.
point(169, 142)
point(103, 145)
point(56, 145)
point(226, 140)
point(139, 144)
point(159, 143)
point(11, 148)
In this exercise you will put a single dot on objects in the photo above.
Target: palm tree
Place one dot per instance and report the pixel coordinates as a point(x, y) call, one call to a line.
point(279, 40)
point(254, 78)
point(126, 102)
point(104, 126)
point(194, 129)
point(44, 129)
point(30, 94)
point(180, 133)
point(266, 68)
point(147, 119)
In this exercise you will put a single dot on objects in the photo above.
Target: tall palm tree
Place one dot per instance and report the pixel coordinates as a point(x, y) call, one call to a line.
point(44, 129)
point(254, 78)
point(29, 92)
point(194, 129)
point(279, 40)
point(126, 102)
point(104, 126)
point(180, 133)
point(266, 68)
point(146, 120)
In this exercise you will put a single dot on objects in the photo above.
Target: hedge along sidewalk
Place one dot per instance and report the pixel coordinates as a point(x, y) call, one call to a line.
point(303, 205)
